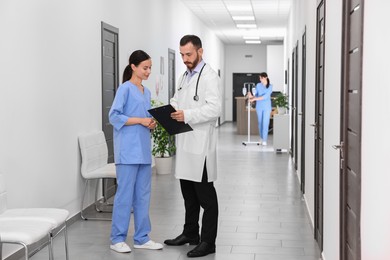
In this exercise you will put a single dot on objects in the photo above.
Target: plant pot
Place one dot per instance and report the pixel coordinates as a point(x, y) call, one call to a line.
point(163, 165)
point(282, 110)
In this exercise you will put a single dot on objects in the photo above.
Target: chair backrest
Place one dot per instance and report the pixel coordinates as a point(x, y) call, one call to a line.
point(3, 194)
point(94, 151)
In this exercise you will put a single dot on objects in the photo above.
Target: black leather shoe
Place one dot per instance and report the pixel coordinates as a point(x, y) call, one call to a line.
point(202, 249)
point(181, 240)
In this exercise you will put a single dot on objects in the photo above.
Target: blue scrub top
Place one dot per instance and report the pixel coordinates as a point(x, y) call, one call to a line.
point(132, 144)
point(263, 91)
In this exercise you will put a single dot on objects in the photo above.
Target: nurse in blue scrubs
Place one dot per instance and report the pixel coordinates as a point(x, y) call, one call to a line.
point(263, 106)
point(132, 150)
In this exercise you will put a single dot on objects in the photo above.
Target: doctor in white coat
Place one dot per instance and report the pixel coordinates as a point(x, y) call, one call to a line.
point(198, 103)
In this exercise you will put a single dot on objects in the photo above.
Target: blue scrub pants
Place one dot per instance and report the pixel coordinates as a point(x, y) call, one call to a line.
point(133, 191)
point(263, 117)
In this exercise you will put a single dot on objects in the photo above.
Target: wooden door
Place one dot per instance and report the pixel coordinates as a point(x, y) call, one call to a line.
point(238, 83)
point(302, 112)
point(319, 124)
point(350, 155)
point(171, 73)
point(294, 108)
point(110, 81)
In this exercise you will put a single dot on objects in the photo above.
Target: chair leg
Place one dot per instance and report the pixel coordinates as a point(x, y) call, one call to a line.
point(82, 200)
point(96, 195)
point(82, 203)
point(25, 250)
point(50, 246)
point(66, 241)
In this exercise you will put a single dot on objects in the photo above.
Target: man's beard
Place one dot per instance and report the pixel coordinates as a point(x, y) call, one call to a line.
point(192, 65)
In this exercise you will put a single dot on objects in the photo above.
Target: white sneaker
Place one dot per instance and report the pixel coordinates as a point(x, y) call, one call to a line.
point(150, 245)
point(121, 247)
point(264, 143)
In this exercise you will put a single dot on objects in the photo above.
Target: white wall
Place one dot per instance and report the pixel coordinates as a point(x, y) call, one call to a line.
point(235, 62)
point(50, 77)
point(51, 82)
point(275, 66)
point(375, 212)
point(332, 116)
point(304, 14)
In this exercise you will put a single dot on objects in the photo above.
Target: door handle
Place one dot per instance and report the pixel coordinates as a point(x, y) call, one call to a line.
point(313, 125)
point(341, 148)
point(338, 146)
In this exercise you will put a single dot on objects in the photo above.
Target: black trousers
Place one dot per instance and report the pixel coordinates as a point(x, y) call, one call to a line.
point(196, 195)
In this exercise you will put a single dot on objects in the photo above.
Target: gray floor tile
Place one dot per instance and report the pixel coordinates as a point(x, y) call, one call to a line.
point(262, 216)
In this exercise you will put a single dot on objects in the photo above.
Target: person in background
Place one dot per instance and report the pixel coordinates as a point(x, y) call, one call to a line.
point(132, 125)
point(263, 105)
point(198, 103)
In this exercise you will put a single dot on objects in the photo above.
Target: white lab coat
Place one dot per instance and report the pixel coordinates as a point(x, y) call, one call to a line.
point(195, 146)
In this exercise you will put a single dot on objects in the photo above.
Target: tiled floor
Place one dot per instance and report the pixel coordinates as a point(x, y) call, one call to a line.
point(262, 216)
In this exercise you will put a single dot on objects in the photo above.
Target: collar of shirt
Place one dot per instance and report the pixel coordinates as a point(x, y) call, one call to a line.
point(197, 69)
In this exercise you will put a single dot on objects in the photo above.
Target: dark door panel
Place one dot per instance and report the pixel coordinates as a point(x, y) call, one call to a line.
point(319, 124)
point(238, 83)
point(350, 155)
point(110, 81)
point(303, 113)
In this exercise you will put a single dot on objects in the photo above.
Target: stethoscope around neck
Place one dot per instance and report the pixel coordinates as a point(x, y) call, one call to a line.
point(196, 97)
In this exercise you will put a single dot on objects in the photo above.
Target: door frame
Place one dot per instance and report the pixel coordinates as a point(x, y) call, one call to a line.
point(319, 125)
point(351, 96)
point(109, 185)
point(303, 112)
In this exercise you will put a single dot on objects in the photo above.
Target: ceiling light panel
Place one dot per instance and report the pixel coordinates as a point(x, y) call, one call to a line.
point(252, 42)
point(243, 25)
point(217, 15)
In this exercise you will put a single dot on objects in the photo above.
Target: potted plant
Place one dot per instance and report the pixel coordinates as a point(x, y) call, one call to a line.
point(281, 102)
point(163, 146)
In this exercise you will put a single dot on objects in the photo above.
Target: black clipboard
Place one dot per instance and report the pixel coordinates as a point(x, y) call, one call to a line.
point(163, 116)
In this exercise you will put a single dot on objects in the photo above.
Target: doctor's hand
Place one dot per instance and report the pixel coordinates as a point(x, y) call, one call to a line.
point(178, 115)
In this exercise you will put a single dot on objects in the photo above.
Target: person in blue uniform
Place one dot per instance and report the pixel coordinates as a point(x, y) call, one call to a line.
point(263, 105)
point(132, 151)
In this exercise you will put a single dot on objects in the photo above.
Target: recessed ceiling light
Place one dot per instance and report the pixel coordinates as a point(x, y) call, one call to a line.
point(246, 25)
point(243, 18)
point(252, 42)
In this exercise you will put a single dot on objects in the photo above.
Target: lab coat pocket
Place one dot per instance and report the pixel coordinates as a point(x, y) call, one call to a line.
point(195, 142)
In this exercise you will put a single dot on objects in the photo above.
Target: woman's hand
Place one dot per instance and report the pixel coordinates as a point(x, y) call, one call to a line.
point(148, 122)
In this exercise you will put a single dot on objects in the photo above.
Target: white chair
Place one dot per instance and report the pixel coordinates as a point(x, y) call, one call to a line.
point(25, 233)
point(94, 164)
point(37, 218)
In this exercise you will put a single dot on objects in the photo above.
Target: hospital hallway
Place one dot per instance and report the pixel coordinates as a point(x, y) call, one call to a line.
point(262, 214)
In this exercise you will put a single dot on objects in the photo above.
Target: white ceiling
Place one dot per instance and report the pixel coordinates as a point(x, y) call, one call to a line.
point(270, 17)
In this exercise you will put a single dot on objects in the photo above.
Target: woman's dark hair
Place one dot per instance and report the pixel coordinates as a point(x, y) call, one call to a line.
point(265, 75)
point(135, 58)
point(195, 40)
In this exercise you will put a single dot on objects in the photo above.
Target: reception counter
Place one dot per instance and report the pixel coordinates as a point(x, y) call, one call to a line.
point(242, 118)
